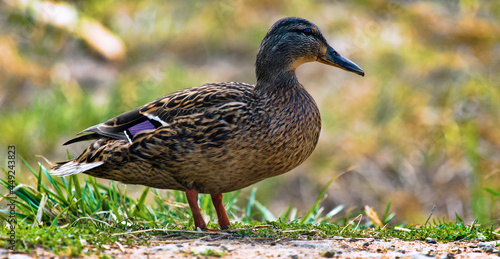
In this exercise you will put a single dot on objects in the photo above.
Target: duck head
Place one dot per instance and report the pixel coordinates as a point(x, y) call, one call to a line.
point(292, 42)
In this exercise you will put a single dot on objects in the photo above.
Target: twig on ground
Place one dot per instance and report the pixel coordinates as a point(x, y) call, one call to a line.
point(178, 241)
point(350, 222)
point(91, 219)
point(172, 230)
point(432, 212)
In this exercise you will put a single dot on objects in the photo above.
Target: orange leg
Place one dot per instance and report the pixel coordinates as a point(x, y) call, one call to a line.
point(192, 197)
point(221, 211)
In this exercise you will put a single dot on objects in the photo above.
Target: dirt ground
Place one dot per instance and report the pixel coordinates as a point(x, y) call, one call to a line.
point(337, 247)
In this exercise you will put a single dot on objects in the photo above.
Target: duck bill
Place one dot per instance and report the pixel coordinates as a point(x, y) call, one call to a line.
point(333, 58)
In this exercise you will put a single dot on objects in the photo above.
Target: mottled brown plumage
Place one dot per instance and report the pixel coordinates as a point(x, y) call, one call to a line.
point(218, 137)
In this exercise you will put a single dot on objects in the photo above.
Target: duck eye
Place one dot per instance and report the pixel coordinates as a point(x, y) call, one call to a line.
point(307, 31)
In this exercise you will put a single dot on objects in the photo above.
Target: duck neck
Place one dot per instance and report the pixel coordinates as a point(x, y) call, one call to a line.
point(275, 78)
point(274, 69)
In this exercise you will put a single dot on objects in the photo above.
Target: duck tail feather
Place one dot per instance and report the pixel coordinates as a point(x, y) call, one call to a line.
point(73, 167)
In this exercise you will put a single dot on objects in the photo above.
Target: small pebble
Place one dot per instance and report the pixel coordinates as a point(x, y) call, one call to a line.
point(488, 249)
point(430, 240)
point(294, 256)
point(328, 254)
point(227, 248)
point(431, 253)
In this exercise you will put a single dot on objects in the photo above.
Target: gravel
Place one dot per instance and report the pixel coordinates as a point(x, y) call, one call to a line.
point(321, 248)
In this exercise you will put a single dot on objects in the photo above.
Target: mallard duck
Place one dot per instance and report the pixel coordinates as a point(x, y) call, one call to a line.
point(218, 137)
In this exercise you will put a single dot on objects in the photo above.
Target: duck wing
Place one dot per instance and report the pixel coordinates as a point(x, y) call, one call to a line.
point(165, 110)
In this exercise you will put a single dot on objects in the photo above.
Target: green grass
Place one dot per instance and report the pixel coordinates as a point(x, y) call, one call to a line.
point(69, 217)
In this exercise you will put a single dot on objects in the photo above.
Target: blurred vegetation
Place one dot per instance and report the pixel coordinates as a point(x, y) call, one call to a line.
point(420, 129)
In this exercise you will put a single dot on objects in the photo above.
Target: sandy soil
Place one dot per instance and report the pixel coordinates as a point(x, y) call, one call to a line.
point(231, 247)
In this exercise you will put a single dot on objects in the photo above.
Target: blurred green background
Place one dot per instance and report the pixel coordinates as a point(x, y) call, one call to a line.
point(420, 129)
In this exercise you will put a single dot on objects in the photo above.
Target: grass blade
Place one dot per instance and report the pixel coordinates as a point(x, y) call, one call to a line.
point(140, 202)
point(319, 199)
point(39, 213)
point(78, 190)
point(332, 213)
point(267, 214)
point(286, 213)
point(493, 192)
point(251, 202)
